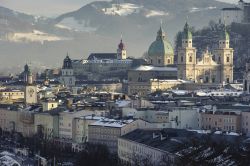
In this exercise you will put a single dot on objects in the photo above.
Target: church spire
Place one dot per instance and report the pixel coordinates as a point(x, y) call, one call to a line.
point(161, 34)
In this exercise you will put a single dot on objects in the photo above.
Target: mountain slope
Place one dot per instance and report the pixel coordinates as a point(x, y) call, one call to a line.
point(97, 27)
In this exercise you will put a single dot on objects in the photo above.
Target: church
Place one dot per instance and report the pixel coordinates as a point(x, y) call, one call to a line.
point(162, 73)
point(216, 67)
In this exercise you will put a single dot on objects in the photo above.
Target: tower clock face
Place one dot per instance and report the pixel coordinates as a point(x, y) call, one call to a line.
point(31, 91)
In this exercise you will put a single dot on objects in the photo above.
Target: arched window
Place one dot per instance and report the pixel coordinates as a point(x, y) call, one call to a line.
point(190, 59)
point(228, 60)
point(168, 61)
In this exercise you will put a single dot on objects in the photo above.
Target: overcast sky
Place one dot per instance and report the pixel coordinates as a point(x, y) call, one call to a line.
point(52, 7)
point(44, 7)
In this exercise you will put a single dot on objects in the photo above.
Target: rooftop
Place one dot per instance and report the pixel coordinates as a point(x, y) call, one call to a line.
point(168, 140)
point(153, 68)
point(233, 8)
point(105, 122)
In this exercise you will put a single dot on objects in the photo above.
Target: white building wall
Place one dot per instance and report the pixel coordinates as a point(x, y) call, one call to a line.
point(184, 118)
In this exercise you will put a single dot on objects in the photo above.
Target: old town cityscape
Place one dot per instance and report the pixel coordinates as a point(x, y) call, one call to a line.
point(178, 104)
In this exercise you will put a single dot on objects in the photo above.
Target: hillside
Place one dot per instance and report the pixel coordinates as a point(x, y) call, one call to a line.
point(97, 27)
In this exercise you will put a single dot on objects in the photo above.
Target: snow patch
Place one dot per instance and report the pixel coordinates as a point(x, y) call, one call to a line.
point(195, 9)
point(71, 23)
point(123, 9)
point(154, 13)
point(35, 36)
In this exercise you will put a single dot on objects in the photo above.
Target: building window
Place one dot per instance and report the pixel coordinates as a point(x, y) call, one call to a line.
point(159, 61)
point(181, 58)
point(168, 61)
point(228, 60)
point(207, 79)
point(190, 59)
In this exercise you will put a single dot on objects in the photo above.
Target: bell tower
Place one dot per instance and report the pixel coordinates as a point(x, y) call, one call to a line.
point(187, 56)
point(67, 74)
point(224, 57)
point(121, 51)
point(30, 92)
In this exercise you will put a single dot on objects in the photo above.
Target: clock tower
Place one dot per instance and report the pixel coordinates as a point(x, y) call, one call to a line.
point(30, 92)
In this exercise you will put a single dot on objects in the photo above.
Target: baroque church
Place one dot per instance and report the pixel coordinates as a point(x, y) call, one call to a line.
point(162, 73)
point(210, 68)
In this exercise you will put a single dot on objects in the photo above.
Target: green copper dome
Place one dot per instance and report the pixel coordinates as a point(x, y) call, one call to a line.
point(224, 35)
point(187, 34)
point(161, 46)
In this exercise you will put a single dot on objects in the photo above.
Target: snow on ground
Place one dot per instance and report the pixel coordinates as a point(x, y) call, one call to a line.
point(123, 9)
point(153, 13)
point(35, 36)
point(71, 24)
point(195, 9)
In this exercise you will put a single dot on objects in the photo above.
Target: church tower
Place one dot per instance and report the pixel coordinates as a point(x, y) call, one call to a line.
point(224, 57)
point(67, 74)
point(30, 92)
point(121, 51)
point(187, 56)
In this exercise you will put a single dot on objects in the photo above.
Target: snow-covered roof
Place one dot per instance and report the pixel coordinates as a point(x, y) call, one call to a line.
point(5, 153)
point(154, 68)
point(123, 103)
point(8, 161)
point(105, 122)
point(90, 117)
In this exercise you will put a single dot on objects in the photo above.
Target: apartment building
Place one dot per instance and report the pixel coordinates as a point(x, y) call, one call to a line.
point(158, 146)
point(245, 122)
point(170, 117)
point(107, 131)
point(47, 123)
point(80, 127)
point(220, 120)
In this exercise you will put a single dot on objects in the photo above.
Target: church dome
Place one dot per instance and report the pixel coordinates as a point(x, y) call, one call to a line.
point(161, 46)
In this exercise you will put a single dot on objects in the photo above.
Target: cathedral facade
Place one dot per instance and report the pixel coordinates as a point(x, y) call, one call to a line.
point(214, 68)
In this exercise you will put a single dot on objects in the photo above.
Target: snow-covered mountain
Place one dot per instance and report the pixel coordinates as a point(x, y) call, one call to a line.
point(97, 27)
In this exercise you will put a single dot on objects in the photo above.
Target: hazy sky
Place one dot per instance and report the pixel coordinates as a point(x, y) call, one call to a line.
point(52, 7)
point(44, 7)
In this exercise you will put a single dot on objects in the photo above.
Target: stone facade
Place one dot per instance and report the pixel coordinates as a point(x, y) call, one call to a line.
point(210, 68)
